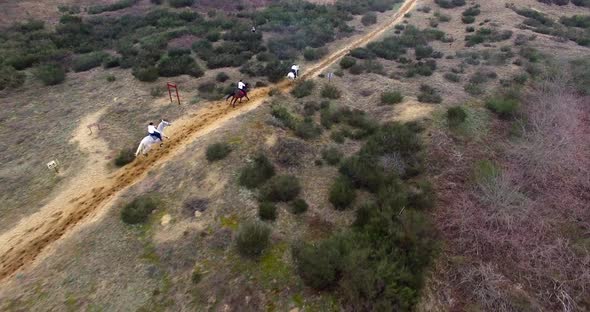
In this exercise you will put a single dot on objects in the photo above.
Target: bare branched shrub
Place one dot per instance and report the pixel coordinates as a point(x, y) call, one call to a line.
point(393, 161)
point(496, 187)
point(550, 142)
point(487, 287)
point(289, 152)
point(527, 219)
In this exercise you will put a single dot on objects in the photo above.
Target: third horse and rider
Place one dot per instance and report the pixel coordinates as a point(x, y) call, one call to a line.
point(155, 134)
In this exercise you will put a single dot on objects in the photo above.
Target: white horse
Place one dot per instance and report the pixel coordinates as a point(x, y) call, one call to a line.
point(294, 72)
point(148, 141)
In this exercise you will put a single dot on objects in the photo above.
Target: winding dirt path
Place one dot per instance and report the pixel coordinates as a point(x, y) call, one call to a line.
point(22, 245)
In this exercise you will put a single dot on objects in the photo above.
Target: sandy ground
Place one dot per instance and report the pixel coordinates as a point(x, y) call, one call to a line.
point(93, 193)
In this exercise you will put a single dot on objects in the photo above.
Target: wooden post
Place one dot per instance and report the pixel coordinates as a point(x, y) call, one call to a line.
point(170, 86)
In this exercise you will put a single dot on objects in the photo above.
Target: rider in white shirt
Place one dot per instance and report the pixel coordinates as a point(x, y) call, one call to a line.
point(295, 70)
point(154, 132)
point(242, 86)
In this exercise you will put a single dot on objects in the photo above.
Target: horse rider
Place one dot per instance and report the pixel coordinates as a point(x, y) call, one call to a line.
point(153, 132)
point(242, 87)
point(295, 70)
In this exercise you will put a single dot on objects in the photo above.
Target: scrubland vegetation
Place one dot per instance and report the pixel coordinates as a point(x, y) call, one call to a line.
point(323, 202)
point(141, 42)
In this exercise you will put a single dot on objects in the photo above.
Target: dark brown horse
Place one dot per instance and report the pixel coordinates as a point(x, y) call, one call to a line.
point(237, 95)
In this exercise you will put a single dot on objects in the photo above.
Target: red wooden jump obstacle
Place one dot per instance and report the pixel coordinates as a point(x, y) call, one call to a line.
point(171, 86)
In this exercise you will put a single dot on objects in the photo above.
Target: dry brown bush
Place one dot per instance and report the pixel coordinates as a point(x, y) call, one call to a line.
point(551, 139)
point(515, 229)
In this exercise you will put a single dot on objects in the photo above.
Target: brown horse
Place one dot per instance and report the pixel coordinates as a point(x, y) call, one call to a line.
point(237, 95)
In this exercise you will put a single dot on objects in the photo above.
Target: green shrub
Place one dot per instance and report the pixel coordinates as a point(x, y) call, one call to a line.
point(318, 265)
point(111, 61)
point(362, 53)
point(422, 196)
point(505, 107)
point(175, 52)
point(485, 172)
point(303, 89)
point(372, 278)
point(580, 69)
point(421, 68)
point(338, 137)
point(111, 78)
point(391, 97)
point(119, 5)
point(470, 29)
point(213, 36)
point(197, 274)
point(222, 77)
point(452, 77)
point(330, 92)
point(369, 18)
point(88, 61)
point(423, 51)
point(252, 238)
point(342, 193)
point(282, 113)
point(373, 66)
point(256, 173)
point(472, 11)
point(482, 76)
point(429, 95)
point(21, 61)
point(139, 210)
point(307, 129)
point(267, 211)
point(332, 155)
point(147, 74)
point(582, 3)
point(310, 108)
point(362, 171)
point(299, 206)
point(311, 54)
point(281, 188)
point(347, 62)
point(473, 89)
point(218, 151)
point(51, 74)
point(124, 157)
point(443, 18)
point(449, 4)
point(392, 138)
point(531, 54)
point(357, 69)
point(456, 115)
point(520, 78)
point(328, 117)
point(180, 3)
point(172, 66)
point(468, 19)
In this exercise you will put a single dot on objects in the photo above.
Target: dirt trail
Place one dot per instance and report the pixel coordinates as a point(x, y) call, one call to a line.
point(22, 245)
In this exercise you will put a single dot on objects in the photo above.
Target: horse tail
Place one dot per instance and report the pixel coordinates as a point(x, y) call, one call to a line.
point(139, 148)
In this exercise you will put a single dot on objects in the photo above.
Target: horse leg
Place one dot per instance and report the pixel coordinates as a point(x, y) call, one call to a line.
point(139, 149)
